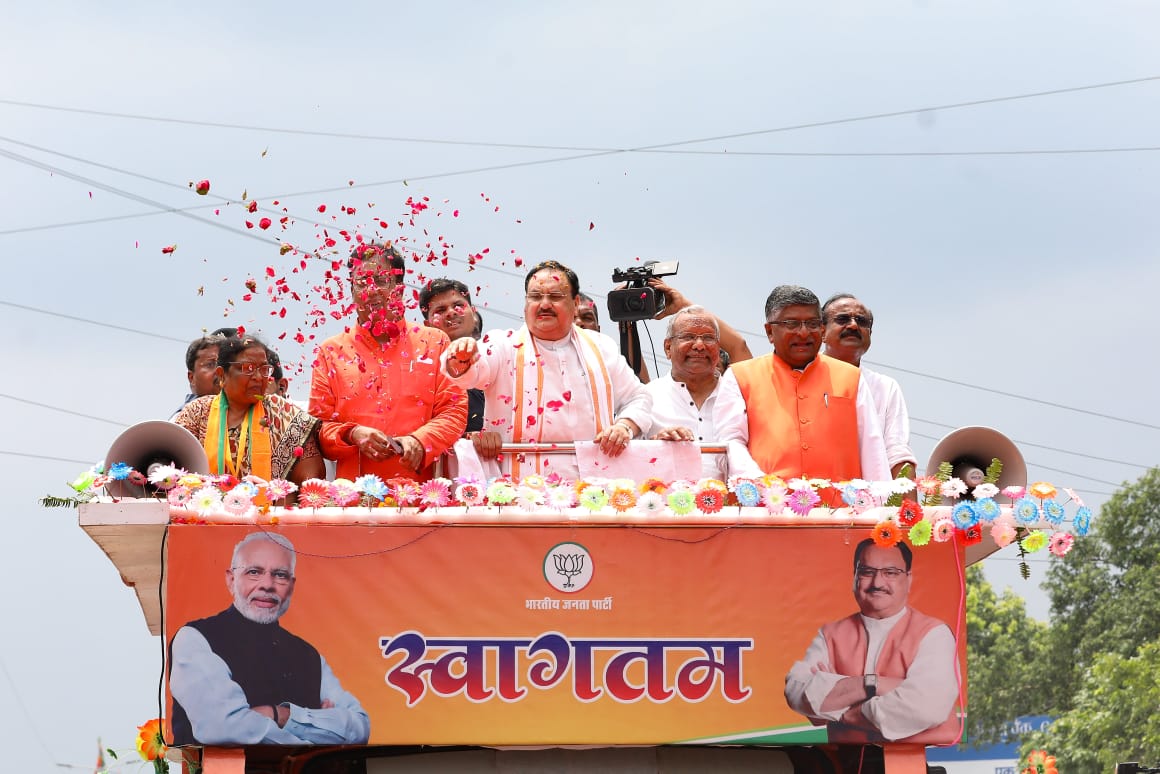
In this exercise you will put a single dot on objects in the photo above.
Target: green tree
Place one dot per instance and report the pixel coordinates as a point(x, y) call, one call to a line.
point(1104, 641)
point(1105, 594)
point(1113, 718)
point(1006, 660)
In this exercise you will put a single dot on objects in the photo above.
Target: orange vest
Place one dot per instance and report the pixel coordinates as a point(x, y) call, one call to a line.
point(802, 423)
point(847, 642)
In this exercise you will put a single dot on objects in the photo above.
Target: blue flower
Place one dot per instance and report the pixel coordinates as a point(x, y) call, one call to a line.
point(1053, 511)
point(850, 495)
point(371, 486)
point(747, 494)
point(1026, 510)
point(1083, 520)
point(965, 515)
point(120, 471)
point(987, 509)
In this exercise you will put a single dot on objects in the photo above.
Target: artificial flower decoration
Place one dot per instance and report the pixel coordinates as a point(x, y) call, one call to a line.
point(622, 499)
point(1053, 511)
point(1014, 492)
point(151, 744)
point(436, 493)
point(886, 534)
point(802, 501)
point(314, 493)
point(944, 530)
point(1060, 543)
point(747, 493)
point(1042, 490)
point(593, 497)
point(469, 493)
point(964, 515)
point(1039, 762)
point(909, 513)
point(1026, 510)
point(651, 503)
point(1003, 533)
point(681, 502)
point(1083, 520)
point(971, 535)
point(986, 508)
point(709, 499)
point(1033, 541)
point(920, 533)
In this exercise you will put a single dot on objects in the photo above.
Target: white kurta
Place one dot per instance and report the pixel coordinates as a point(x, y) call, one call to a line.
point(673, 406)
point(923, 699)
point(892, 415)
point(570, 407)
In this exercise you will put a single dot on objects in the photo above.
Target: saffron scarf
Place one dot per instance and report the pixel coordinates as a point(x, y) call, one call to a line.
point(253, 441)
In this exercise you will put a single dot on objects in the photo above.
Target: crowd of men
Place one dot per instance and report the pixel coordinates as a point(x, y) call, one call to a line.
point(393, 395)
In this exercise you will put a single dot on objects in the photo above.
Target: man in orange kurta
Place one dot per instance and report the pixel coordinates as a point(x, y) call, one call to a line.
point(795, 413)
point(384, 404)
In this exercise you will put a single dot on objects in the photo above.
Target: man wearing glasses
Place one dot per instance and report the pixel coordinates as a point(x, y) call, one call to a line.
point(384, 404)
point(795, 413)
point(549, 380)
point(885, 673)
point(239, 678)
point(847, 337)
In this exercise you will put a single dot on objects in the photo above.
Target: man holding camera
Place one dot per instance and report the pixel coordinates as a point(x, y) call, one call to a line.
point(550, 381)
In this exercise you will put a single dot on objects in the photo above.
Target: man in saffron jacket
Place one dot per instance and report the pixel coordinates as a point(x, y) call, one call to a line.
point(885, 673)
point(795, 413)
point(385, 407)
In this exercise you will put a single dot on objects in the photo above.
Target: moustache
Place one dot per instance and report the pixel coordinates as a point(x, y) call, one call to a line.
point(852, 335)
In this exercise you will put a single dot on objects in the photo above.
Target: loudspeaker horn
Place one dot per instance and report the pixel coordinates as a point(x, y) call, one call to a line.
point(970, 450)
point(148, 445)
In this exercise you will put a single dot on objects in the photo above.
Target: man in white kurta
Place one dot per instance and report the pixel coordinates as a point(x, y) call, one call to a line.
point(849, 325)
point(683, 399)
point(910, 698)
point(549, 381)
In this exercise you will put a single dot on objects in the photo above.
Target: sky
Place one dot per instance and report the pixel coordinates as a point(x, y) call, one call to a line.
point(888, 149)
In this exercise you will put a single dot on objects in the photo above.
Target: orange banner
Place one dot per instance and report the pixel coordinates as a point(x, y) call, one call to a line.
point(520, 635)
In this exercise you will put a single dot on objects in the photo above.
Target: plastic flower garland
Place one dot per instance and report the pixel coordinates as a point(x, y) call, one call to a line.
point(968, 521)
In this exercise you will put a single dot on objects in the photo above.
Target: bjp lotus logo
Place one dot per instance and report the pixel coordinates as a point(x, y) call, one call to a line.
point(568, 567)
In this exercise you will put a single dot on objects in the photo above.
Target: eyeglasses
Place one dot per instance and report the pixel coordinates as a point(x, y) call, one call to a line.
point(889, 573)
point(249, 369)
point(280, 577)
point(689, 338)
point(862, 320)
point(555, 298)
point(367, 281)
point(813, 326)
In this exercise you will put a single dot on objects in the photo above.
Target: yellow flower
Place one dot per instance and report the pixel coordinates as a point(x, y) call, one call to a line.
point(1042, 490)
point(151, 740)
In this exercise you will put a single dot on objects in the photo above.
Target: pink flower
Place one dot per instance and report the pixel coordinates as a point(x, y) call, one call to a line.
point(928, 485)
point(1060, 543)
point(1014, 492)
point(1003, 533)
point(435, 493)
point(1075, 498)
point(314, 493)
point(944, 530)
point(802, 501)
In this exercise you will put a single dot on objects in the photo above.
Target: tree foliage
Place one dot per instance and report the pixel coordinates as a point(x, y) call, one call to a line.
point(1006, 660)
point(1103, 645)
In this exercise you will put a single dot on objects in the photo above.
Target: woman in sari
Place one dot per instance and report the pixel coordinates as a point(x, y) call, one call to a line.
point(244, 430)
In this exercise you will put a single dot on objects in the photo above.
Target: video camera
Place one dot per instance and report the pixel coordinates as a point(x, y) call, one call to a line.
point(637, 301)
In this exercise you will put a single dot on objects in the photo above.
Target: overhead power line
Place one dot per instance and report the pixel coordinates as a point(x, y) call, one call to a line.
point(582, 148)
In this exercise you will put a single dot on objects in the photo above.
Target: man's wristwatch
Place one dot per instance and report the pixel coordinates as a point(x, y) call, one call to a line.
point(870, 683)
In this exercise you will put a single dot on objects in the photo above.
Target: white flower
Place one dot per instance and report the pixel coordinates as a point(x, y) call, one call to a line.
point(798, 483)
point(985, 490)
point(650, 503)
point(774, 497)
point(563, 496)
point(529, 498)
point(881, 489)
point(902, 486)
point(953, 488)
point(206, 500)
point(165, 476)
